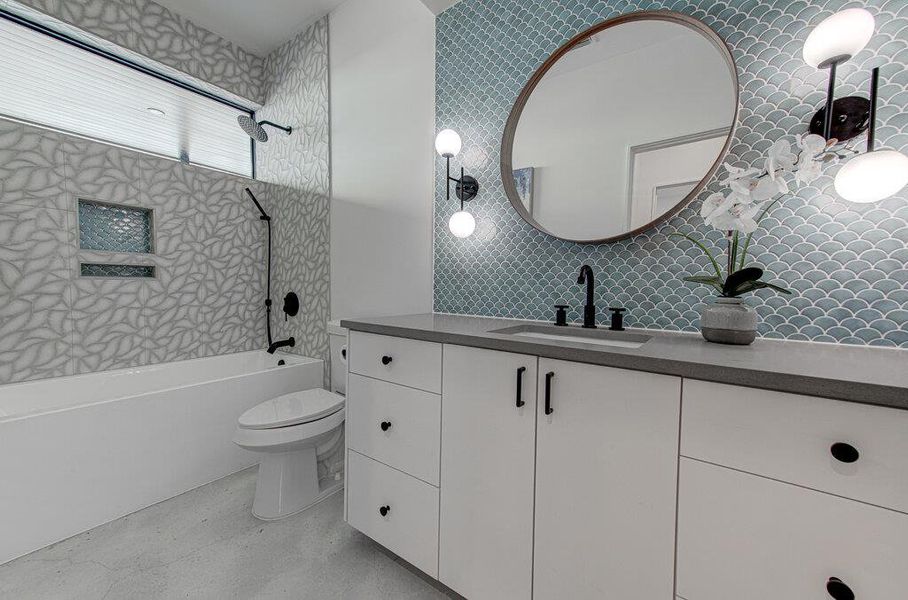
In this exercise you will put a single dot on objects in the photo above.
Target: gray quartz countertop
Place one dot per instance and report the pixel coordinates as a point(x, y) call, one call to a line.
point(854, 373)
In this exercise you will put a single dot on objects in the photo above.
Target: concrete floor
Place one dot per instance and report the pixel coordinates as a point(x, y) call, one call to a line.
point(206, 544)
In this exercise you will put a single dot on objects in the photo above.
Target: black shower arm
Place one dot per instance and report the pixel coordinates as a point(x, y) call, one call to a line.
point(265, 216)
point(276, 126)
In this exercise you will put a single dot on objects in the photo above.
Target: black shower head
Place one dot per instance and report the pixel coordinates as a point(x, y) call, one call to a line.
point(255, 129)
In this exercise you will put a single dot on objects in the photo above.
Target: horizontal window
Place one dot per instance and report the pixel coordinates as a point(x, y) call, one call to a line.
point(50, 82)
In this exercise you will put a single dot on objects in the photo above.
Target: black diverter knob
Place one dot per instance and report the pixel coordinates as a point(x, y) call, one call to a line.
point(845, 453)
point(384, 510)
point(386, 360)
point(385, 425)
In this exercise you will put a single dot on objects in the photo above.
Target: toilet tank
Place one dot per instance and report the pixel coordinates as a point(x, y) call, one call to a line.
point(338, 339)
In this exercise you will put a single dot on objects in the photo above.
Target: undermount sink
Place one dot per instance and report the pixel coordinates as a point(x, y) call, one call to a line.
point(599, 337)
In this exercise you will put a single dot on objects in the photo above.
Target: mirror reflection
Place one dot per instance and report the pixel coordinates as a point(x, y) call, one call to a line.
point(621, 129)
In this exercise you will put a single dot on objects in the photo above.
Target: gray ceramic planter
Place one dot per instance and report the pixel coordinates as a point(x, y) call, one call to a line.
point(728, 321)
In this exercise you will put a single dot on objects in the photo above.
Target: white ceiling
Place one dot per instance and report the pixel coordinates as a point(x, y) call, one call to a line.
point(439, 6)
point(263, 25)
point(258, 26)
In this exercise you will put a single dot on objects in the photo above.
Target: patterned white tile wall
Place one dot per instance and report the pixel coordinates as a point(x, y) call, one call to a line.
point(297, 95)
point(209, 253)
point(847, 263)
point(296, 77)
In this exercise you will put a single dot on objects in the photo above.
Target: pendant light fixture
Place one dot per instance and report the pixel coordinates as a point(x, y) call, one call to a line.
point(462, 224)
point(877, 174)
point(834, 41)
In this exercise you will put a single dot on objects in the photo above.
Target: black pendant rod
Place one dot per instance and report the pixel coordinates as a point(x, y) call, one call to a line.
point(874, 90)
point(830, 97)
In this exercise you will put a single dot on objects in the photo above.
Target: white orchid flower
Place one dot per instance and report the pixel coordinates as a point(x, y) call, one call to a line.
point(780, 158)
point(743, 216)
point(811, 145)
point(809, 172)
point(732, 212)
point(809, 166)
point(714, 205)
point(736, 173)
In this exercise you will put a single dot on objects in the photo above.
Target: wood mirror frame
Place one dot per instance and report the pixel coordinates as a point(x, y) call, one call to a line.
point(507, 140)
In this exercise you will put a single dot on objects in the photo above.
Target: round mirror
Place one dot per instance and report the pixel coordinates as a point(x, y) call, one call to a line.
point(621, 127)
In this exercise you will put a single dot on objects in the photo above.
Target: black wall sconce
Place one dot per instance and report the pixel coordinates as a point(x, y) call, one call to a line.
point(876, 174)
point(462, 224)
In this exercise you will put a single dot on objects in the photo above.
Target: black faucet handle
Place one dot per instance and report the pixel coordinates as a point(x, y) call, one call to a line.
point(561, 314)
point(617, 318)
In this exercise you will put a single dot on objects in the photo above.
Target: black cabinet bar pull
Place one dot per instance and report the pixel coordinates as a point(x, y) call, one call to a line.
point(520, 373)
point(385, 425)
point(845, 453)
point(836, 588)
point(548, 392)
point(386, 360)
point(384, 510)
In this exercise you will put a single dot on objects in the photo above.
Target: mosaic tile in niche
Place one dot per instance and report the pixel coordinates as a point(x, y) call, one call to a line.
point(125, 271)
point(112, 228)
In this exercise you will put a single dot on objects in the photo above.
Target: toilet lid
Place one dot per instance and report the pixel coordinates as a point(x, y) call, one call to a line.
point(292, 409)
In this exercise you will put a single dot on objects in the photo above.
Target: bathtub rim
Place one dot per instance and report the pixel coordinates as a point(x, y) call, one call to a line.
point(295, 360)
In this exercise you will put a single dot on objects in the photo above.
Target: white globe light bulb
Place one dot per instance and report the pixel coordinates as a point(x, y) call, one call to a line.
point(462, 224)
point(447, 143)
point(873, 176)
point(838, 37)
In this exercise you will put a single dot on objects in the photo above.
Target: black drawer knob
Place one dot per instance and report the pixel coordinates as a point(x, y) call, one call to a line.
point(384, 510)
point(845, 453)
point(385, 425)
point(386, 360)
point(838, 590)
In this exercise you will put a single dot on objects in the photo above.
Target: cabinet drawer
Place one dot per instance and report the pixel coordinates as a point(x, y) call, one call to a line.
point(745, 537)
point(791, 437)
point(413, 363)
point(410, 527)
point(396, 425)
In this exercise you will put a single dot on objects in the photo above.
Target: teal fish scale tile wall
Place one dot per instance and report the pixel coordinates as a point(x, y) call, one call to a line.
point(846, 263)
point(114, 228)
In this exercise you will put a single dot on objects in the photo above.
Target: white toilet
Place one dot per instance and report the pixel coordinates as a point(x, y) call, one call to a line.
point(291, 431)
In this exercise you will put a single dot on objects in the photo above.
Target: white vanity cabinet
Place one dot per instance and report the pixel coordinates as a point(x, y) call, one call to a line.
point(606, 482)
point(487, 472)
point(516, 477)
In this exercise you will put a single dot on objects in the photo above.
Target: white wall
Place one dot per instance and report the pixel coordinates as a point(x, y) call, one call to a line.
point(382, 71)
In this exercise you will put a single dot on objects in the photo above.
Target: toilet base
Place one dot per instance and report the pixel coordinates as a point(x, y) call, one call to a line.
point(288, 483)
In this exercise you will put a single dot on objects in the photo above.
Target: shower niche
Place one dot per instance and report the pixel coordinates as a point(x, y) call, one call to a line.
point(111, 231)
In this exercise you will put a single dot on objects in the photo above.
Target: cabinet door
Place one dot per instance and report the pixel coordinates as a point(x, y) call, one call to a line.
point(487, 455)
point(606, 483)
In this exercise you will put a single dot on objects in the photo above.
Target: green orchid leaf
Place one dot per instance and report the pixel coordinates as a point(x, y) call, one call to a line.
point(710, 280)
point(752, 286)
point(740, 278)
point(775, 287)
point(702, 247)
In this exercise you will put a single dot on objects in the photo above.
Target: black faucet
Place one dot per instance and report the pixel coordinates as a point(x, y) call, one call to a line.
point(589, 309)
point(281, 344)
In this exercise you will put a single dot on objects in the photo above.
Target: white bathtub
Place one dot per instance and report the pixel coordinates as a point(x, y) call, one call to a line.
point(76, 452)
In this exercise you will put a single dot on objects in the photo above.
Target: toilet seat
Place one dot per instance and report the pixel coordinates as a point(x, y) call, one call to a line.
point(292, 409)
